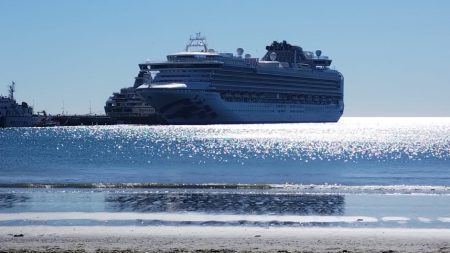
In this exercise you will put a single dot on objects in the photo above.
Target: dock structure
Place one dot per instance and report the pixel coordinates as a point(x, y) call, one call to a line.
point(80, 120)
point(93, 120)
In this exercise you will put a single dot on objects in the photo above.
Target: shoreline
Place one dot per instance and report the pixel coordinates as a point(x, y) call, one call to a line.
point(220, 239)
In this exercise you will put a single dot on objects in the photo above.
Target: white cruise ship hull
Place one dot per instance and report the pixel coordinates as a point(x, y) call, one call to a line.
point(187, 106)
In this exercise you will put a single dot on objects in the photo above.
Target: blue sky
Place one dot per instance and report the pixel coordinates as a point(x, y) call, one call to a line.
point(394, 55)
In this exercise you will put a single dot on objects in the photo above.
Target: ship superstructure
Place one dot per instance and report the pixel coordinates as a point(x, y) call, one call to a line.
point(13, 114)
point(203, 86)
point(127, 107)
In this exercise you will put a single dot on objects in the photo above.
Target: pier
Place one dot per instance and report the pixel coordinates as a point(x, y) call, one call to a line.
point(82, 120)
point(94, 120)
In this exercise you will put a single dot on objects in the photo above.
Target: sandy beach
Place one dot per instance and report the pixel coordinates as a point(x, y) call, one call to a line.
point(220, 239)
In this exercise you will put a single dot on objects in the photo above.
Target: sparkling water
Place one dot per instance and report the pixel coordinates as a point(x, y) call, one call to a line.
point(358, 172)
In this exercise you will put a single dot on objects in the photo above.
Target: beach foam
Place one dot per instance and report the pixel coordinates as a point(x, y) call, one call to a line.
point(201, 219)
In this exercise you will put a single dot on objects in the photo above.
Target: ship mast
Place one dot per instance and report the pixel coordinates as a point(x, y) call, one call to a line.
point(197, 41)
point(12, 89)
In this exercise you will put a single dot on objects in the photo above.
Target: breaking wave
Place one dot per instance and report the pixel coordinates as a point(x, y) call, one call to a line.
point(272, 188)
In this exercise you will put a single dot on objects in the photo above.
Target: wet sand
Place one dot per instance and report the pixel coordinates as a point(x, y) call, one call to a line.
point(219, 239)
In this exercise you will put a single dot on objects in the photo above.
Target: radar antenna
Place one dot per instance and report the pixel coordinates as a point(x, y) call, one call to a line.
point(12, 89)
point(197, 41)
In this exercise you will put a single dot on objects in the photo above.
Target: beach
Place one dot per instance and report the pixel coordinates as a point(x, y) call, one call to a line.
point(220, 239)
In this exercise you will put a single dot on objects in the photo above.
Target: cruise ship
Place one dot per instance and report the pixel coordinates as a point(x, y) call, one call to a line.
point(13, 114)
point(202, 86)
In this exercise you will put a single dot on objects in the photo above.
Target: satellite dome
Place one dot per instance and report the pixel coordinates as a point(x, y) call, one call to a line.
point(273, 56)
point(318, 53)
point(240, 51)
point(248, 56)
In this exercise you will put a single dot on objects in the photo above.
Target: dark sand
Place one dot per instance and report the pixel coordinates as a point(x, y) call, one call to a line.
point(220, 239)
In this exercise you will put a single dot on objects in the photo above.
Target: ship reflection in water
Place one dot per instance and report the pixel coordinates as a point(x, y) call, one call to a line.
point(11, 200)
point(216, 202)
point(228, 203)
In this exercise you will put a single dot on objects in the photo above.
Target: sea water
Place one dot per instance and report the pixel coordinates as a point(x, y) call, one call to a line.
point(357, 172)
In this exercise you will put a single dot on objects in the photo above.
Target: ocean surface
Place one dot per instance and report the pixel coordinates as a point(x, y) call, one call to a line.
point(370, 172)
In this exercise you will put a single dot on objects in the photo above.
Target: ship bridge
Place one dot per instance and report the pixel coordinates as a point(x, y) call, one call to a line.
point(205, 60)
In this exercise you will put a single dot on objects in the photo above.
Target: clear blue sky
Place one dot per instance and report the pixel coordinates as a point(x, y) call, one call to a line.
point(395, 55)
